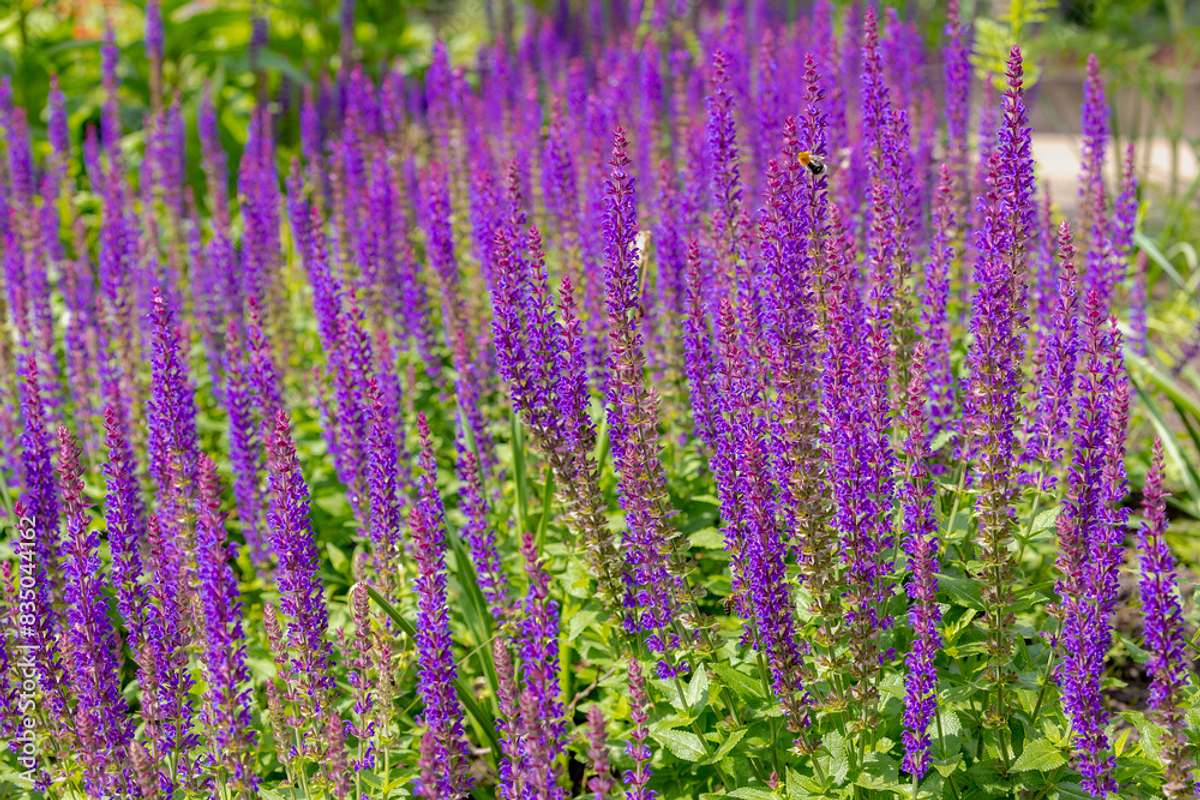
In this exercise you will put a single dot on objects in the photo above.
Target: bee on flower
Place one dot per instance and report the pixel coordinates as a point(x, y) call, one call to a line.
point(814, 162)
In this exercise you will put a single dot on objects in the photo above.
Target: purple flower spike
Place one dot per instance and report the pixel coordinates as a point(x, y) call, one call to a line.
point(1094, 127)
point(228, 695)
point(601, 782)
point(957, 79)
point(307, 657)
point(653, 587)
point(1089, 549)
point(921, 546)
point(39, 492)
point(541, 711)
point(935, 323)
point(1122, 224)
point(171, 411)
point(245, 444)
point(1057, 362)
point(383, 492)
point(998, 322)
point(102, 716)
point(1163, 631)
point(443, 759)
point(722, 155)
point(757, 549)
point(125, 523)
point(110, 118)
point(637, 778)
point(697, 353)
point(40, 633)
point(154, 32)
point(479, 535)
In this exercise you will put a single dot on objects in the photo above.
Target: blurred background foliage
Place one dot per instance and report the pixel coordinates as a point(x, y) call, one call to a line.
point(208, 48)
point(1150, 48)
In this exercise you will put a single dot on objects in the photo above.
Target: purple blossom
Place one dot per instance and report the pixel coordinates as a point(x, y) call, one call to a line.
point(653, 586)
point(125, 523)
point(1094, 127)
point(994, 359)
point(216, 170)
point(935, 323)
point(957, 82)
point(382, 473)
point(601, 782)
point(791, 226)
point(698, 359)
point(850, 440)
point(162, 653)
point(245, 448)
point(1121, 226)
point(154, 32)
point(443, 761)
point(171, 410)
point(110, 118)
point(1163, 629)
point(226, 711)
point(480, 536)
point(722, 154)
point(39, 492)
point(92, 645)
point(308, 656)
point(540, 709)
point(637, 778)
point(757, 549)
point(917, 496)
point(1057, 359)
point(1085, 553)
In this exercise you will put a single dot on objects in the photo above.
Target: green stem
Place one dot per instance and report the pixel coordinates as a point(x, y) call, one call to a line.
point(1037, 706)
point(1002, 731)
point(762, 674)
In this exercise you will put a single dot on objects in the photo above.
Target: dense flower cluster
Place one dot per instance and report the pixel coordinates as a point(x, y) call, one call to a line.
point(765, 359)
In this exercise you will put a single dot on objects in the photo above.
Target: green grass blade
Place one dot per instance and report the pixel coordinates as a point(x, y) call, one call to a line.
point(519, 477)
point(482, 720)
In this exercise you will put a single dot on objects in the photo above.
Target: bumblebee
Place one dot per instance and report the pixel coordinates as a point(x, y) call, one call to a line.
point(814, 162)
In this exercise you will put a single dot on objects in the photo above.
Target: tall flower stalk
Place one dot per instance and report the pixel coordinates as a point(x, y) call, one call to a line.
point(921, 546)
point(443, 761)
point(994, 358)
point(654, 587)
point(92, 644)
point(1163, 632)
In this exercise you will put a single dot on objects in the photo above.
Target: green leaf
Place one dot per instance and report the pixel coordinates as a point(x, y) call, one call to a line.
point(837, 763)
point(746, 793)
point(519, 477)
point(544, 517)
point(880, 772)
point(731, 741)
point(684, 745)
point(1120, 742)
point(580, 621)
point(962, 591)
point(697, 690)
point(741, 683)
point(802, 787)
point(333, 503)
point(707, 538)
point(1045, 520)
point(1040, 756)
point(337, 559)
